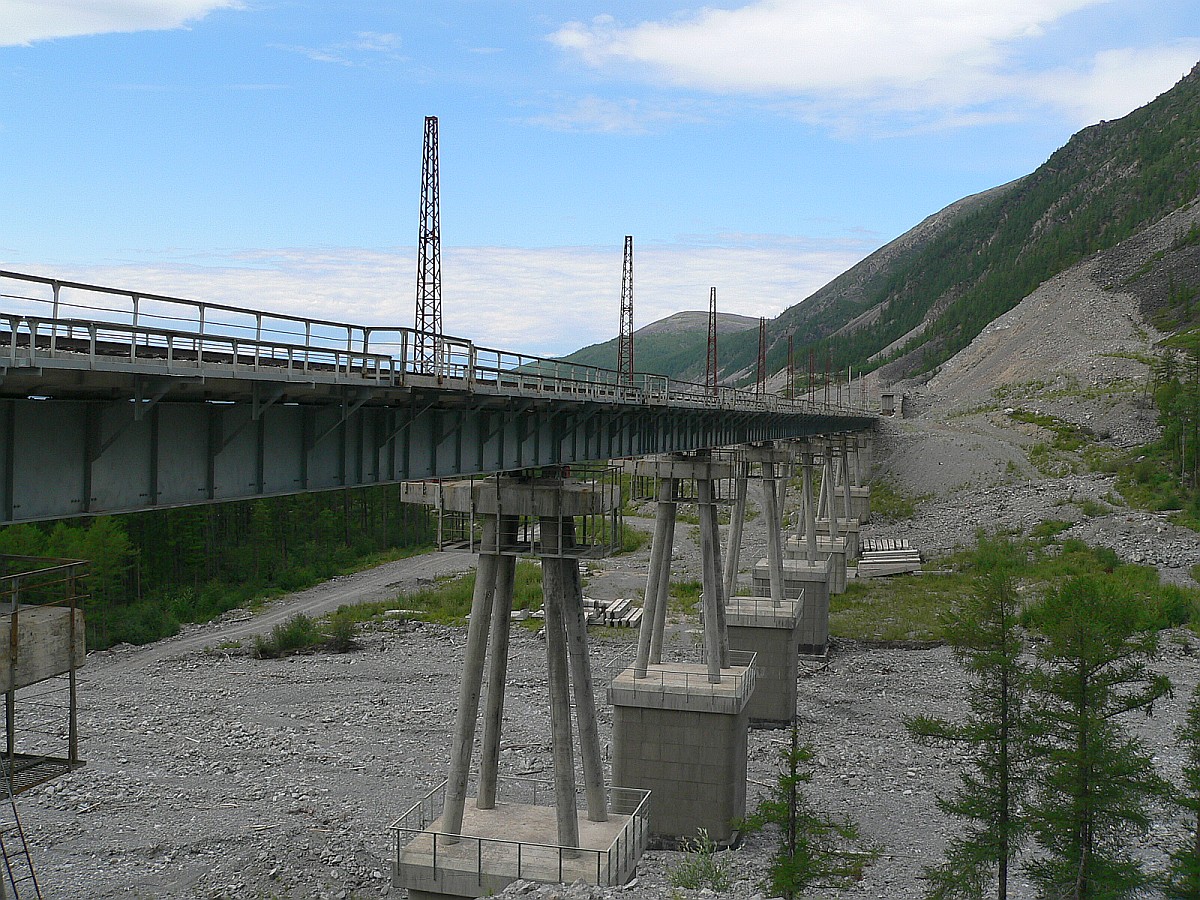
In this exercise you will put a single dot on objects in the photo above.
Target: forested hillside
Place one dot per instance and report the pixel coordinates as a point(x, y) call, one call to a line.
point(153, 571)
point(676, 346)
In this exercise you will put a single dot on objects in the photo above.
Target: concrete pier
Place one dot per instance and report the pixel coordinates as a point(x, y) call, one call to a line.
point(684, 739)
point(811, 581)
point(773, 633)
point(445, 848)
point(679, 728)
point(847, 531)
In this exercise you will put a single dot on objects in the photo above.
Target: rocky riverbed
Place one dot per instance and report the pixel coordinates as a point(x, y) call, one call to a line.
point(214, 775)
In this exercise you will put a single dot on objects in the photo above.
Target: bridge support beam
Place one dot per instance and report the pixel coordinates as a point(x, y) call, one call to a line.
point(767, 623)
point(809, 567)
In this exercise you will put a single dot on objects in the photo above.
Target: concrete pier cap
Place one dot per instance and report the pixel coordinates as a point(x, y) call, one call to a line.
point(549, 497)
point(682, 467)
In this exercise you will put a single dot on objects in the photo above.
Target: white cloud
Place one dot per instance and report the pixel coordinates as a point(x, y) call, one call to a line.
point(26, 21)
point(354, 52)
point(542, 301)
point(1116, 81)
point(601, 116)
point(856, 47)
point(925, 62)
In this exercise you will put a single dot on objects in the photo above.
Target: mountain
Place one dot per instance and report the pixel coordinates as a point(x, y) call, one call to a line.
point(920, 299)
point(676, 345)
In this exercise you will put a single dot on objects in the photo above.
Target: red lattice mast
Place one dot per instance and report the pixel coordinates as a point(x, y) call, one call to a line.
point(429, 257)
point(791, 387)
point(761, 386)
point(711, 366)
point(625, 341)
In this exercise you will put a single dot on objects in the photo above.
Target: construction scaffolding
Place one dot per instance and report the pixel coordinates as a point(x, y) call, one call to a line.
point(40, 612)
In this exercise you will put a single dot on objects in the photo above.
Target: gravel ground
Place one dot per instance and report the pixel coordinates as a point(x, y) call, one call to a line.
point(216, 775)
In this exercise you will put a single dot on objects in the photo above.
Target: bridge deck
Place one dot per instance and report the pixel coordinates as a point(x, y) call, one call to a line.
point(150, 401)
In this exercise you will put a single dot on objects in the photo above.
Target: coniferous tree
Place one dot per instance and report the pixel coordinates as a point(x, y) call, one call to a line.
point(1183, 878)
point(985, 635)
point(812, 847)
point(1095, 781)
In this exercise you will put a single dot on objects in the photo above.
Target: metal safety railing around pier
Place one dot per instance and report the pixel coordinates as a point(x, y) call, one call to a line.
point(418, 843)
point(43, 646)
point(53, 322)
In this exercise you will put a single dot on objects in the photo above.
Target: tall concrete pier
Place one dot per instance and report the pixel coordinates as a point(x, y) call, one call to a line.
point(450, 848)
point(680, 728)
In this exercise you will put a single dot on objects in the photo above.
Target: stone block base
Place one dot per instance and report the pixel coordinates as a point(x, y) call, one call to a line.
point(692, 762)
point(773, 634)
point(812, 581)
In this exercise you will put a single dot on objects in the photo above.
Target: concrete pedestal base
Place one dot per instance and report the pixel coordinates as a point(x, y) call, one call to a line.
point(848, 531)
point(812, 582)
point(773, 634)
point(834, 552)
point(512, 841)
point(684, 740)
point(860, 504)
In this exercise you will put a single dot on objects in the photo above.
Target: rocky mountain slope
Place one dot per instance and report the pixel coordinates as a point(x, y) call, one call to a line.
point(917, 301)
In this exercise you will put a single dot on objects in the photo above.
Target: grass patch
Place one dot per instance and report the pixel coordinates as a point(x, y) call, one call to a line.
point(684, 596)
point(892, 504)
point(1146, 481)
point(1047, 531)
point(1068, 437)
point(689, 515)
point(702, 867)
point(632, 539)
point(449, 601)
point(911, 607)
point(1093, 508)
point(899, 608)
point(297, 634)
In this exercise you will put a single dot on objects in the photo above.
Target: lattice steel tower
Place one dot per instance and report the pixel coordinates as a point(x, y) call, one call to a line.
point(711, 366)
point(791, 386)
point(429, 258)
point(625, 341)
point(760, 386)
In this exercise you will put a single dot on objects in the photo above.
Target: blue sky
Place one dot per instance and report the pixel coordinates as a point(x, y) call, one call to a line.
point(267, 152)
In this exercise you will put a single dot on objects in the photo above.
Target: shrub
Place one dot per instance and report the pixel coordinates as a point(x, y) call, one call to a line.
point(297, 633)
point(701, 868)
point(341, 633)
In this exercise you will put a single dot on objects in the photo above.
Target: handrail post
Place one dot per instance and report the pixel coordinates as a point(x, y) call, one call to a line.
point(54, 315)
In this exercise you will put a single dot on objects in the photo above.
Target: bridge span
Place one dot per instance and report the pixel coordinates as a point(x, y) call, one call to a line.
point(115, 400)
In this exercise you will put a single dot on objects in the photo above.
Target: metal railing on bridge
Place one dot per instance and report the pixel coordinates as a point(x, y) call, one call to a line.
point(52, 322)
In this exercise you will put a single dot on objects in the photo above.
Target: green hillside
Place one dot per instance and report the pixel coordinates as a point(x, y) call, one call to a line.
point(676, 346)
point(924, 297)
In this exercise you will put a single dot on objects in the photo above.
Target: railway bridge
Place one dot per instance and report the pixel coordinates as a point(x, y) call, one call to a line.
point(115, 401)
